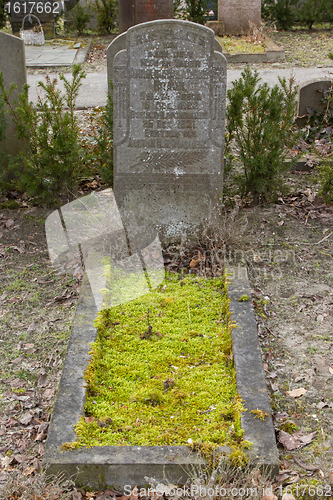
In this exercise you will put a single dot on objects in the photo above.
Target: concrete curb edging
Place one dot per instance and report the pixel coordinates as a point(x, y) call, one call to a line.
point(80, 58)
point(272, 53)
point(116, 466)
point(82, 54)
point(251, 383)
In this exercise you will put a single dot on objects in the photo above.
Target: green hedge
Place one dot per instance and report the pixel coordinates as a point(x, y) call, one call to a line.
point(3, 14)
point(285, 13)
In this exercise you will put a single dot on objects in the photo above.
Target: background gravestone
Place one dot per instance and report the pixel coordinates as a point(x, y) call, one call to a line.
point(12, 65)
point(169, 91)
point(311, 95)
point(132, 12)
point(45, 10)
point(235, 17)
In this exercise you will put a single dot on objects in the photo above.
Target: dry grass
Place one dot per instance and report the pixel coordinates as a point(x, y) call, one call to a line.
point(39, 486)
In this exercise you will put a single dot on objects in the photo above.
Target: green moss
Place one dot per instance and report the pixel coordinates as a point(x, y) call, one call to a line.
point(259, 414)
point(307, 489)
point(236, 45)
point(243, 298)
point(162, 372)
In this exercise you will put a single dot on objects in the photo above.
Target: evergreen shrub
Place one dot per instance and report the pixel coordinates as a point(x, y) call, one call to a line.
point(280, 12)
point(285, 13)
point(261, 120)
point(79, 17)
point(105, 142)
point(106, 13)
point(192, 10)
point(309, 12)
point(3, 14)
point(53, 158)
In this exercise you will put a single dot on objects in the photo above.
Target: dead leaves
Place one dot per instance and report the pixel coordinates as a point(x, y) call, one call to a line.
point(297, 440)
point(67, 298)
point(305, 466)
point(48, 393)
point(108, 494)
point(31, 328)
point(42, 431)
point(42, 379)
point(296, 393)
point(26, 418)
point(96, 53)
point(196, 260)
point(269, 495)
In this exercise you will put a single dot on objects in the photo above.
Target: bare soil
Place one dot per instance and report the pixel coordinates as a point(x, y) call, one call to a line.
point(288, 250)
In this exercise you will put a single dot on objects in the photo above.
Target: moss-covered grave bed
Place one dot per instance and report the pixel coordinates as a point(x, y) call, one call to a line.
point(241, 44)
point(162, 370)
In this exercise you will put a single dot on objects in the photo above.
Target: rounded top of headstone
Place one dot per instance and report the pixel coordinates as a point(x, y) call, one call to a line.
point(162, 23)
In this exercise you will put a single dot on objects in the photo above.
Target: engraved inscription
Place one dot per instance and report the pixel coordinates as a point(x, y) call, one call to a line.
point(169, 126)
point(171, 85)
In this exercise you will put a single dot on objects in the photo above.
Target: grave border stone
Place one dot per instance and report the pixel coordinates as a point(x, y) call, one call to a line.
point(117, 466)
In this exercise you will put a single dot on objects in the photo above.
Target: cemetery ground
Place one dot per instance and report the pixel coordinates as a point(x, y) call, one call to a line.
point(287, 247)
point(303, 47)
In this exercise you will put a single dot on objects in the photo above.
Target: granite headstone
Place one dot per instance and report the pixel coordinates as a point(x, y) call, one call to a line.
point(236, 17)
point(12, 65)
point(169, 92)
point(132, 12)
point(44, 10)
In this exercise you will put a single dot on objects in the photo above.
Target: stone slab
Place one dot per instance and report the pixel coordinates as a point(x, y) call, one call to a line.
point(273, 53)
point(112, 466)
point(12, 65)
point(55, 56)
point(48, 55)
point(238, 16)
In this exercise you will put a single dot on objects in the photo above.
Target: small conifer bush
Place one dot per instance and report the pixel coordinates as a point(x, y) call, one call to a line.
point(52, 158)
point(106, 13)
point(80, 17)
point(3, 14)
point(261, 120)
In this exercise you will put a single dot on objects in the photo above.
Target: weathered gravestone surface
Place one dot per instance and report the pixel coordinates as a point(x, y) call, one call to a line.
point(235, 17)
point(12, 65)
point(169, 91)
point(310, 96)
point(132, 12)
